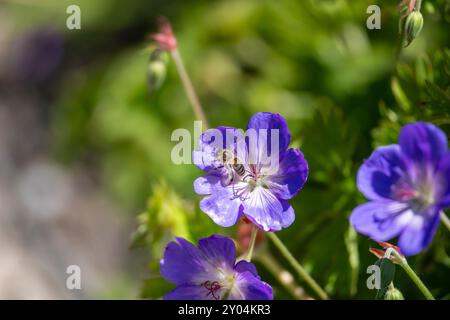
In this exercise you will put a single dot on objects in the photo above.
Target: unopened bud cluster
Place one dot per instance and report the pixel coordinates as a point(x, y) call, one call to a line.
point(413, 26)
point(157, 69)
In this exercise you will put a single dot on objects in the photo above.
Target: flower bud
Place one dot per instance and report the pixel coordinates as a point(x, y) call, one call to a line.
point(380, 254)
point(413, 26)
point(156, 71)
point(393, 294)
point(164, 37)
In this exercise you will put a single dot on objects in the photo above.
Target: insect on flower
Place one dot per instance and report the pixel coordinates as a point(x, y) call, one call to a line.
point(253, 173)
point(232, 165)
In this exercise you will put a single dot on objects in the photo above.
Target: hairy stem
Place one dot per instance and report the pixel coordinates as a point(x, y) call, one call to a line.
point(189, 88)
point(297, 266)
point(283, 276)
point(252, 243)
point(445, 220)
point(414, 277)
point(418, 5)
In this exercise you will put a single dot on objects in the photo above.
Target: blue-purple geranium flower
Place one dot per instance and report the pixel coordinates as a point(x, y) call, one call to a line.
point(408, 185)
point(209, 272)
point(253, 186)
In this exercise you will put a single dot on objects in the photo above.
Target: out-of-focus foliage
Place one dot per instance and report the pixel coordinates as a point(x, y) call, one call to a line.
point(167, 216)
point(340, 86)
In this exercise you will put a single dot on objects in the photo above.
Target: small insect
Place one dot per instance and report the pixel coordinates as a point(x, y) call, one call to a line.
point(231, 163)
point(212, 288)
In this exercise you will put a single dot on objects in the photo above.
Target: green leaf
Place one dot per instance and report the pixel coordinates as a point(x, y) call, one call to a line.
point(400, 95)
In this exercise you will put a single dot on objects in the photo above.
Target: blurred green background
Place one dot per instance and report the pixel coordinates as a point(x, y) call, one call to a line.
point(340, 86)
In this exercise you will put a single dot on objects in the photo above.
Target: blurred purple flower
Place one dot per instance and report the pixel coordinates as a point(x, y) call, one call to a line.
point(38, 54)
point(408, 184)
point(261, 176)
point(209, 272)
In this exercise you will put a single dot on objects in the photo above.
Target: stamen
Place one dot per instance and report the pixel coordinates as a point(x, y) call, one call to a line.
point(419, 194)
point(212, 288)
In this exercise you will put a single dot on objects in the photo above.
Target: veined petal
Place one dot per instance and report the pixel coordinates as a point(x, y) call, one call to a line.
point(419, 233)
point(249, 287)
point(219, 250)
point(288, 214)
point(245, 266)
point(268, 121)
point(206, 184)
point(268, 212)
point(423, 142)
point(291, 176)
point(184, 263)
point(222, 207)
point(381, 220)
point(379, 173)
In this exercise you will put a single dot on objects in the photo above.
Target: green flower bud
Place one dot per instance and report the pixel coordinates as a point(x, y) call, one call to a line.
point(156, 70)
point(393, 294)
point(413, 26)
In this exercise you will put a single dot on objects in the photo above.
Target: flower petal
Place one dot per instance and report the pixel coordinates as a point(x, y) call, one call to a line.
point(206, 184)
point(249, 287)
point(221, 207)
point(378, 173)
point(184, 263)
point(381, 220)
point(291, 176)
point(423, 142)
point(419, 233)
point(442, 182)
point(268, 120)
point(220, 251)
point(213, 140)
point(245, 266)
point(190, 292)
point(268, 212)
point(288, 214)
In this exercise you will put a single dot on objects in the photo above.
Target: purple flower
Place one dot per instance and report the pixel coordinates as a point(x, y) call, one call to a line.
point(209, 272)
point(252, 173)
point(408, 184)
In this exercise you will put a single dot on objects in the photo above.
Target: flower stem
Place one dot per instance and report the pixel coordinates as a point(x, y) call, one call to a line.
point(445, 220)
point(252, 243)
point(418, 5)
point(188, 87)
point(297, 266)
point(283, 276)
point(410, 272)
